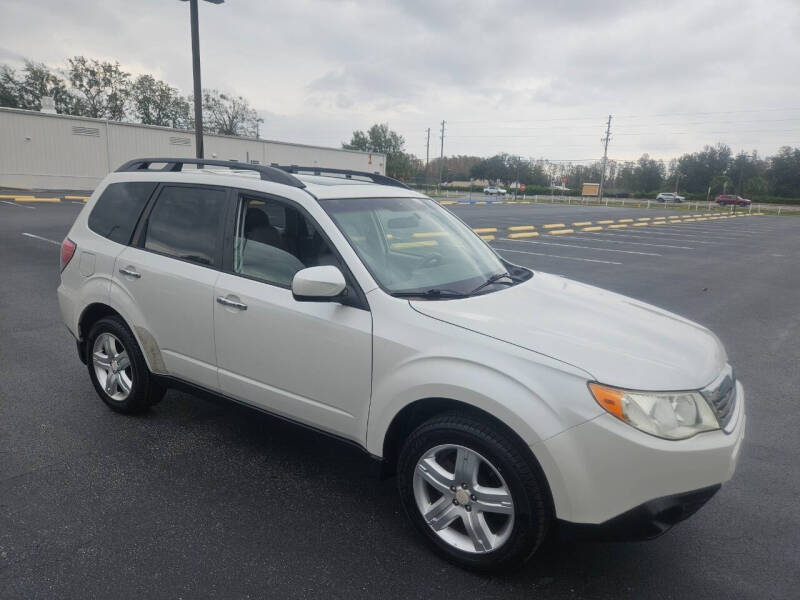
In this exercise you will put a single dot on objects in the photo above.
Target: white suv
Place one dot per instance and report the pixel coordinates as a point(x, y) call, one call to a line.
point(510, 403)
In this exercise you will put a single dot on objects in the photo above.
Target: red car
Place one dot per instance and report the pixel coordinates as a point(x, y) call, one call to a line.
point(728, 199)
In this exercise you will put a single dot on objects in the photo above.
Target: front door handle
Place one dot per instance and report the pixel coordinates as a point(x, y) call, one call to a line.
point(231, 303)
point(130, 272)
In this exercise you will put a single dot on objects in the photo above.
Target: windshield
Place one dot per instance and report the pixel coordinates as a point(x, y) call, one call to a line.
point(412, 246)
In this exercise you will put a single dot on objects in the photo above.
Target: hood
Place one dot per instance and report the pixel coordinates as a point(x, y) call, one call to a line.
point(618, 340)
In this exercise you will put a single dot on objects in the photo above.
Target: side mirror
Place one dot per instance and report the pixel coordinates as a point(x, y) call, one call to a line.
point(318, 284)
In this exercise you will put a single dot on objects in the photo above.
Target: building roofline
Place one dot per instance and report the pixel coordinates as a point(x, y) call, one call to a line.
point(37, 113)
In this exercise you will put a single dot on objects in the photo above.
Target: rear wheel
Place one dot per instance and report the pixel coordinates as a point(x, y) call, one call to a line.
point(472, 492)
point(117, 368)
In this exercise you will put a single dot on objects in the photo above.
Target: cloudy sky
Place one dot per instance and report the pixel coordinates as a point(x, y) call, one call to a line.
point(530, 77)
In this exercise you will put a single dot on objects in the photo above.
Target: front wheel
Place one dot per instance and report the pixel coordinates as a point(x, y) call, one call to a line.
point(473, 492)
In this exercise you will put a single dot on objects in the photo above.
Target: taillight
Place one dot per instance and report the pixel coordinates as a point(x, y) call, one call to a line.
point(68, 248)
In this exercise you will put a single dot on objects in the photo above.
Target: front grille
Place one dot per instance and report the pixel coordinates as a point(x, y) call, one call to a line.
point(721, 395)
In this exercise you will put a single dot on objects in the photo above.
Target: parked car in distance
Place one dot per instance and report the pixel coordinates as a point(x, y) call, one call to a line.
point(730, 199)
point(669, 197)
point(509, 402)
point(494, 190)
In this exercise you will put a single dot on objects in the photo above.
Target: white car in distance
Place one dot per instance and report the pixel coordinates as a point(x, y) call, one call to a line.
point(669, 197)
point(507, 400)
point(494, 190)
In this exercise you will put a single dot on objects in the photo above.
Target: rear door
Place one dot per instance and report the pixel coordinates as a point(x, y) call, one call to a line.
point(309, 361)
point(166, 280)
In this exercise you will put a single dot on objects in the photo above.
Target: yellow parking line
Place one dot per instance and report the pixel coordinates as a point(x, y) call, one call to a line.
point(84, 198)
point(580, 223)
point(688, 220)
point(592, 229)
point(553, 225)
point(34, 199)
point(487, 238)
point(618, 226)
point(522, 228)
point(430, 234)
point(485, 230)
point(641, 224)
point(701, 219)
point(643, 219)
point(561, 231)
point(605, 222)
point(624, 220)
point(400, 245)
point(524, 234)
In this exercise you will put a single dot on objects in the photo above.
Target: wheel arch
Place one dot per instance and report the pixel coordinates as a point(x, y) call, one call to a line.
point(147, 344)
point(415, 413)
point(89, 316)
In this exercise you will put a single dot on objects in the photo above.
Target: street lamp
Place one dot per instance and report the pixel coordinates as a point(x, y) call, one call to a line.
point(198, 88)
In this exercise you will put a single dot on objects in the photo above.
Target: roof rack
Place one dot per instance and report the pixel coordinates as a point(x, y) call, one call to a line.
point(348, 174)
point(176, 164)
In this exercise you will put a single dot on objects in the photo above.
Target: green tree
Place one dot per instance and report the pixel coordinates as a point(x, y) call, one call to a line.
point(39, 81)
point(379, 138)
point(226, 114)
point(784, 172)
point(157, 103)
point(9, 87)
point(102, 88)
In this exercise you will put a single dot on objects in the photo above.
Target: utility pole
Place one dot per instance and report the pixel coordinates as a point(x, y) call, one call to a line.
point(441, 156)
point(677, 181)
point(427, 155)
point(605, 141)
point(428, 149)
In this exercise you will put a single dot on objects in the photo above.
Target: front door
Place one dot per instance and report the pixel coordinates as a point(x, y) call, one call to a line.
point(309, 361)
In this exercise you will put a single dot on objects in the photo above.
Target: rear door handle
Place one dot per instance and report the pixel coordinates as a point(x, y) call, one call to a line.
point(130, 272)
point(231, 303)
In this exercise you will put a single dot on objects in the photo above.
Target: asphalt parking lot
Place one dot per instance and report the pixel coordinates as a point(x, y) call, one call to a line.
point(206, 499)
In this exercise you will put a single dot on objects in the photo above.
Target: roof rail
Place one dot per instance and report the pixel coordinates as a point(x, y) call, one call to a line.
point(176, 164)
point(348, 174)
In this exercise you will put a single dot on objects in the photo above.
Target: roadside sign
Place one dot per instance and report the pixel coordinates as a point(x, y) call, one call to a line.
point(590, 189)
point(522, 187)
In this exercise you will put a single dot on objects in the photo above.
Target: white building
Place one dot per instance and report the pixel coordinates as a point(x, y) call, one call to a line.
point(48, 151)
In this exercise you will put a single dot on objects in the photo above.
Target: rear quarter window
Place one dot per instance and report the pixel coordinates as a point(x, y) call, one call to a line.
point(118, 209)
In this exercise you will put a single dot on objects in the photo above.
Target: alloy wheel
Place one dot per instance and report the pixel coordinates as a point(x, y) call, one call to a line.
point(463, 498)
point(112, 367)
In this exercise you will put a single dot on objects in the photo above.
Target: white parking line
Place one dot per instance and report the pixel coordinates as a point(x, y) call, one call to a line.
point(592, 260)
point(599, 239)
point(636, 235)
point(17, 205)
point(44, 239)
point(582, 247)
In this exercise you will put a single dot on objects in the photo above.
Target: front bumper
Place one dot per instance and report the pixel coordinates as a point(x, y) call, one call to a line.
point(605, 468)
point(644, 522)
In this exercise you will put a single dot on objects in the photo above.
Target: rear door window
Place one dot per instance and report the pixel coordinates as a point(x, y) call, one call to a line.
point(186, 222)
point(118, 209)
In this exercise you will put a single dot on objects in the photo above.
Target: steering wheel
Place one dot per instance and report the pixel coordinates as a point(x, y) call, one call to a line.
point(432, 260)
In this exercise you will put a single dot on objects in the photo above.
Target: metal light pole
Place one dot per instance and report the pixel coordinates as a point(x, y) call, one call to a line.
point(198, 88)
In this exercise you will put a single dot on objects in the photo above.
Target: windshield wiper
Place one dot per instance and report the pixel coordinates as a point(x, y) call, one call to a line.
point(431, 293)
point(495, 279)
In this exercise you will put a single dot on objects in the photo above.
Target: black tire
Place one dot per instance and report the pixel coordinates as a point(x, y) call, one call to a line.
point(524, 478)
point(145, 391)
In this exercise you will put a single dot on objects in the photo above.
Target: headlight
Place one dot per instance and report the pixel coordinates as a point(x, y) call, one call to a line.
point(671, 415)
